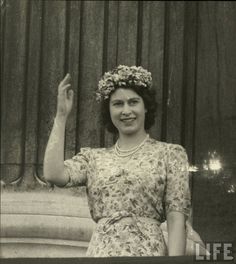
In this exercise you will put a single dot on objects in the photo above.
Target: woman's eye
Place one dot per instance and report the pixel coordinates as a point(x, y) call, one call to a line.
point(133, 102)
point(117, 104)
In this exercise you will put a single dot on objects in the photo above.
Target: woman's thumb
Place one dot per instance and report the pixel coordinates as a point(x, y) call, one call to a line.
point(70, 94)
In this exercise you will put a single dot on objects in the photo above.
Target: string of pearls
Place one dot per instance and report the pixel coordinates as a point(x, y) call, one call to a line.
point(128, 152)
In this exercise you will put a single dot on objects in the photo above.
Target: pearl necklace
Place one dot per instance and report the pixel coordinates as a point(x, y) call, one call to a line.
point(128, 152)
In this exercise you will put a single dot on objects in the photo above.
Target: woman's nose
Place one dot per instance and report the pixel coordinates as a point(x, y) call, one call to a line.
point(126, 109)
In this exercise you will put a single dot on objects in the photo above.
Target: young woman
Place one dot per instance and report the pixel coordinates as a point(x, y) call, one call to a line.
point(132, 186)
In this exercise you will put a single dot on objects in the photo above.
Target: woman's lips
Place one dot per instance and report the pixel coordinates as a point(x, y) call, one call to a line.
point(127, 119)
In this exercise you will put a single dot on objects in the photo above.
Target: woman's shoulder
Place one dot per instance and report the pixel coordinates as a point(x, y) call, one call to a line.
point(170, 152)
point(157, 143)
point(165, 145)
point(95, 150)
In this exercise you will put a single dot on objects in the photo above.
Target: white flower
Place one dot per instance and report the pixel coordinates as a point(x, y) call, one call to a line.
point(120, 77)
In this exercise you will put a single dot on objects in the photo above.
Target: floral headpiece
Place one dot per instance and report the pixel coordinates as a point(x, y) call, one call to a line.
point(123, 76)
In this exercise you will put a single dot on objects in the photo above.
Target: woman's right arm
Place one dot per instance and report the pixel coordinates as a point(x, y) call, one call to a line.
point(53, 165)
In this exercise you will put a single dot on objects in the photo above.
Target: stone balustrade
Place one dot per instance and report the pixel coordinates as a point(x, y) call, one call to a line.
point(44, 224)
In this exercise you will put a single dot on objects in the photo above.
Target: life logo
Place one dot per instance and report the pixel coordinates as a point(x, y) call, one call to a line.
point(215, 251)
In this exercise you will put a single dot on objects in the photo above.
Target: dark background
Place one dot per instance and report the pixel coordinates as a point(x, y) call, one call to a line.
point(189, 47)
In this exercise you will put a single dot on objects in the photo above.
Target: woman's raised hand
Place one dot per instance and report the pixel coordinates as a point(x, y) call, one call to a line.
point(65, 97)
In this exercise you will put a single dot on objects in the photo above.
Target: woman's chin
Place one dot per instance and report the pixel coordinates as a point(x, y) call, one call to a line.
point(129, 131)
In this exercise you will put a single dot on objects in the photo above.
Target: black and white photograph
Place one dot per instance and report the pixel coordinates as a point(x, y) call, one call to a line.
point(118, 131)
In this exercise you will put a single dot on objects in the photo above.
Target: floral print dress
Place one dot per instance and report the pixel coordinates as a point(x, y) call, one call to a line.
point(129, 197)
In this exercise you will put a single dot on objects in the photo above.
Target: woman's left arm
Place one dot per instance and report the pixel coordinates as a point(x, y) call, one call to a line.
point(177, 199)
point(176, 233)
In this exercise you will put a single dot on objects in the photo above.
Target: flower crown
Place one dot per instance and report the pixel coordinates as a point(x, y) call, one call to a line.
point(123, 76)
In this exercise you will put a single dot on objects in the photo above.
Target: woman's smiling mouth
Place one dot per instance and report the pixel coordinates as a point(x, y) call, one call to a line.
point(127, 120)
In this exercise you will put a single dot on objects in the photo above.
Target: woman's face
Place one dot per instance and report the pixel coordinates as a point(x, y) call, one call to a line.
point(127, 111)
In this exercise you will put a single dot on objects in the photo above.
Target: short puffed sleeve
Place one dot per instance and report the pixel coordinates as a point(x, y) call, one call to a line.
point(77, 168)
point(177, 195)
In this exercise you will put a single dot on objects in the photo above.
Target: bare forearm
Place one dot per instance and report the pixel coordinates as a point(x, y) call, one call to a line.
point(176, 240)
point(54, 154)
point(176, 234)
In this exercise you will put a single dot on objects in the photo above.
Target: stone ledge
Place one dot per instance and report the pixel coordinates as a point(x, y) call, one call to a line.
point(41, 248)
point(44, 224)
point(45, 203)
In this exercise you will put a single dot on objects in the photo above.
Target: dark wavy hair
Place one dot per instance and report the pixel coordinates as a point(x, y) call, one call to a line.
point(149, 99)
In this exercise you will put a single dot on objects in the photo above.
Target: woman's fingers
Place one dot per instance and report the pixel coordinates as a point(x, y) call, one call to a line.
point(66, 80)
point(65, 96)
point(66, 92)
point(65, 88)
point(64, 83)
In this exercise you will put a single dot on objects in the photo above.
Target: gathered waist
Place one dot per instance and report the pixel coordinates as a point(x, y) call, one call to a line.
point(128, 219)
point(125, 218)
